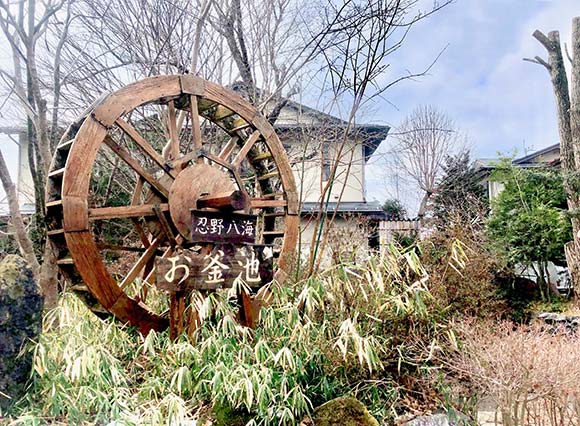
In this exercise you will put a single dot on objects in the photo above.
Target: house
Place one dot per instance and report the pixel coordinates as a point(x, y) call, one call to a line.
point(316, 142)
point(547, 157)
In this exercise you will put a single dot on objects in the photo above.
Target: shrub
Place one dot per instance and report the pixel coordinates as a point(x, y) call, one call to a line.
point(367, 331)
point(463, 272)
point(528, 221)
point(531, 374)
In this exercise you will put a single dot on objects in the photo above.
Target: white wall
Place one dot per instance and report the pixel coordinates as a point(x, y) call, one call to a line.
point(349, 179)
point(17, 162)
point(494, 188)
point(345, 240)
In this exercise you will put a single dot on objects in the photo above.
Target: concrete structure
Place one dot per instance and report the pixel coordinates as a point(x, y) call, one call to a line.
point(15, 151)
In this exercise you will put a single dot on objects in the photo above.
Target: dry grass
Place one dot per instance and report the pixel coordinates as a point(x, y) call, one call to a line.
point(533, 376)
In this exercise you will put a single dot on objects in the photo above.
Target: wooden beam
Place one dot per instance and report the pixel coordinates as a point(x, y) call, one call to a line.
point(102, 213)
point(134, 164)
point(196, 129)
point(228, 148)
point(136, 269)
point(115, 247)
point(172, 127)
point(230, 200)
point(218, 160)
point(246, 148)
point(136, 200)
point(151, 273)
point(164, 224)
point(261, 203)
point(222, 112)
point(145, 146)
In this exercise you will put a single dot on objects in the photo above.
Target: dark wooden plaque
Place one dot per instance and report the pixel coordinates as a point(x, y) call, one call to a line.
point(252, 264)
point(219, 227)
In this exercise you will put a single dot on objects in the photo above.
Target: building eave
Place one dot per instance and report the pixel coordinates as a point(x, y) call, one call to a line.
point(371, 210)
point(529, 157)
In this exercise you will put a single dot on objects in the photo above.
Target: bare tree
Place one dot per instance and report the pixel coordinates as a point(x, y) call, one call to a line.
point(361, 37)
point(25, 25)
point(425, 138)
point(24, 241)
point(266, 45)
point(568, 109)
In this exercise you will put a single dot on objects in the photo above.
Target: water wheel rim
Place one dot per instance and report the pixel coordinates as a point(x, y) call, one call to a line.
point(76, 176)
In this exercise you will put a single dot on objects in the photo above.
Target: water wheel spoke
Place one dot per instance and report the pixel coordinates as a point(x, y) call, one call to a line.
point(228, 148)
point(173, 133)
point(134, 164)
point(181, 162)
point(133, 211)
point(165, 226)
point(218, 161)
point(143, 260)
point(115, 247)
point(263, 203)
point(180, 120)
point(140, 232)
point(149, 277)
point(145, 146)
point(246, 148)
point(195, 126)
point(135, 200)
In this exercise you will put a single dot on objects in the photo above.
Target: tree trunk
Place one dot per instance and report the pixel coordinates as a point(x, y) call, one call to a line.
point(48, 278)
point(423, 206)
point(573, 261)
point(568, 109)
point(575, 91)
point(24, 242)
point(573, 253)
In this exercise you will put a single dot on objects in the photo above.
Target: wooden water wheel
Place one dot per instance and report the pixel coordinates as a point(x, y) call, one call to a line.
point(126, 174)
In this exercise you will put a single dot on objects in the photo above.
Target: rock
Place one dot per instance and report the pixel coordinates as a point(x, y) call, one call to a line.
point(343, 411)
point(557, 322)
point(20, 322)
point(440, 419)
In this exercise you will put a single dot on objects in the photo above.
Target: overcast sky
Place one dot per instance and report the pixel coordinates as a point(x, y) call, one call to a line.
point(500, 101)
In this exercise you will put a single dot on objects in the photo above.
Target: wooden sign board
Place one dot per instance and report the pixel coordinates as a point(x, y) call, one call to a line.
point(218, 227)
point(253, 264)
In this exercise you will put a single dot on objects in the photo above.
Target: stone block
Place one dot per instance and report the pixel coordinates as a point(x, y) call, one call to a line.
point(20, 322)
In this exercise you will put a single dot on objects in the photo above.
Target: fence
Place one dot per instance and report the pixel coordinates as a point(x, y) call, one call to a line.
point(388, 229)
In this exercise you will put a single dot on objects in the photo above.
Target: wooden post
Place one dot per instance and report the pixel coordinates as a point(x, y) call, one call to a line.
point(246, 309)
point(177, 313)
point(230, 200)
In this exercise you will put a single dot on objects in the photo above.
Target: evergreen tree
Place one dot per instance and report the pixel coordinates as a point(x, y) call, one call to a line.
point(394, 209)
point(529, 221)
point(460, 196)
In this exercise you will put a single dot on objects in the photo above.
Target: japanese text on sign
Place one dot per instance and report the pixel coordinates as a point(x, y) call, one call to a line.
point(216, 227)
point(253, 264)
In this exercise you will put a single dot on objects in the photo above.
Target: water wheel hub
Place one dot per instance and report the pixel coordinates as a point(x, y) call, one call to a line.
point(192, 183)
